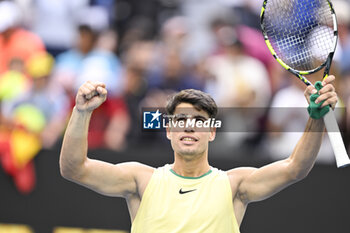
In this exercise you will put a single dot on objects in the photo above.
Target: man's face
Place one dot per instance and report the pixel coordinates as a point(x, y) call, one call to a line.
point(85, 41)
point(189, 141)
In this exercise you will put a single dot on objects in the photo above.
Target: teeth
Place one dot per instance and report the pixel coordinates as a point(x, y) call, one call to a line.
point(188, 139)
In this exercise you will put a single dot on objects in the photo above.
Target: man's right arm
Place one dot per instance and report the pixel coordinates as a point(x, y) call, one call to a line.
point(102, 177)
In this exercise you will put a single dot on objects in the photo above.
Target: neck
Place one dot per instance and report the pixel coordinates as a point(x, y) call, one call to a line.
point(193, 167)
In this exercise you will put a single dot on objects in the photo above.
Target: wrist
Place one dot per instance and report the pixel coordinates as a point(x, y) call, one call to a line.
point(315, 125)
point(82, 111)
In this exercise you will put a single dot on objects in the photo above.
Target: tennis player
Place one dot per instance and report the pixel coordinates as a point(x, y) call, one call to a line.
point(188, 195)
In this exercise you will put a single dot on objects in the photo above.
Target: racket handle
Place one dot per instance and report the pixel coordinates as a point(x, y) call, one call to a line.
point(341, 156)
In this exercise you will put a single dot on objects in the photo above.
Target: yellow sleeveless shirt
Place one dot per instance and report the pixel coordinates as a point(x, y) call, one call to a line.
point(175, 204)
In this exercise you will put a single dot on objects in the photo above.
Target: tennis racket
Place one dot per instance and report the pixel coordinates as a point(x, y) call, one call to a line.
point(302, 36)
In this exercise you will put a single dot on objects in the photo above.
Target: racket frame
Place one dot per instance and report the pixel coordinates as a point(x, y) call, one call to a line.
point(298, 73)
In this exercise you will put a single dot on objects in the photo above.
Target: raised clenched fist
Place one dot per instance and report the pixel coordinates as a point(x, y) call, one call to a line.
point(90, 96)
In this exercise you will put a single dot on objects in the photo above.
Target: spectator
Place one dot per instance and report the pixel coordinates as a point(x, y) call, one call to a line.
point(234, 70)
point(19, 144)
point(246, 11)
point(31, 119)
point(254, 47)
point(169, 70)
point(110, 125)
point(50, 100)
point(139, 28)
point(55, 22)
point(69, 64)
point(90, 59)
point(101, 64)
point(239, 82)
point(94, 59)
point(136, 61)
point(15, 42)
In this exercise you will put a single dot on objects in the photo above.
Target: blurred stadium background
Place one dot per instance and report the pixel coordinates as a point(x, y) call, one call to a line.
point(144, 51)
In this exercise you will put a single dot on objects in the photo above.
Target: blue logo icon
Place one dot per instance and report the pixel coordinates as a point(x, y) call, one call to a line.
point(151, 120)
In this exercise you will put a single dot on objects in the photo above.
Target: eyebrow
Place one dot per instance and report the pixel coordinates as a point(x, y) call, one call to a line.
point(181, 115)
point(200, 117)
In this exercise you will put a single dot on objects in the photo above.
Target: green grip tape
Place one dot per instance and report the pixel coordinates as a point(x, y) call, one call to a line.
point(315, 110)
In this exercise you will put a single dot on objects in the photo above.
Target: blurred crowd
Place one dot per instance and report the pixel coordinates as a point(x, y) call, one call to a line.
point(143, 52)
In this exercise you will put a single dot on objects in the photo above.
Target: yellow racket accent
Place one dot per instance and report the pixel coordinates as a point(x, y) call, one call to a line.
point(262, 11)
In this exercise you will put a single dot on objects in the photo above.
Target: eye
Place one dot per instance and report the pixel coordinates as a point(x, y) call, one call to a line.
point(179, 119)
point(199, 119)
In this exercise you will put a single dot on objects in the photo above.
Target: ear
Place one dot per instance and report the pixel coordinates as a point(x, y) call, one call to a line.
point(212, 134)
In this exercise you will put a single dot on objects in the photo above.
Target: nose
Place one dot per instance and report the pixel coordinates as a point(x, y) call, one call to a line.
point(189, 130)
point(188, 127)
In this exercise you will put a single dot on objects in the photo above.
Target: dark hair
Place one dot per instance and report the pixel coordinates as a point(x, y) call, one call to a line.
point(199, 99)
point(85, 28)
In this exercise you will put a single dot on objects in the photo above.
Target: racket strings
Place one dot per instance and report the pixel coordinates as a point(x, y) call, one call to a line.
point(300, 31)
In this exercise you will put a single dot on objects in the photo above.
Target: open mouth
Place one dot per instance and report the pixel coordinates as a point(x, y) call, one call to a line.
point(188, 139)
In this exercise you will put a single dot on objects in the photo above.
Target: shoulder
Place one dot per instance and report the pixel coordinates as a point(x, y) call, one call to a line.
point(240, 172)
point(140, 169)
point(70, 54)
point(134, 170)
point(35, 40)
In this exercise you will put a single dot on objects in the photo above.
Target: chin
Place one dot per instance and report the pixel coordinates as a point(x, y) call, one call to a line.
point(189, 152)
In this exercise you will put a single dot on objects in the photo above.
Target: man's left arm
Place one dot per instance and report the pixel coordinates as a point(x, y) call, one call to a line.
point(258, 184)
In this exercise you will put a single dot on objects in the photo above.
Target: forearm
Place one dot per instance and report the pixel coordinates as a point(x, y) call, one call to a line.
point(258, 184)
point(305, 152)
point(75, 146)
